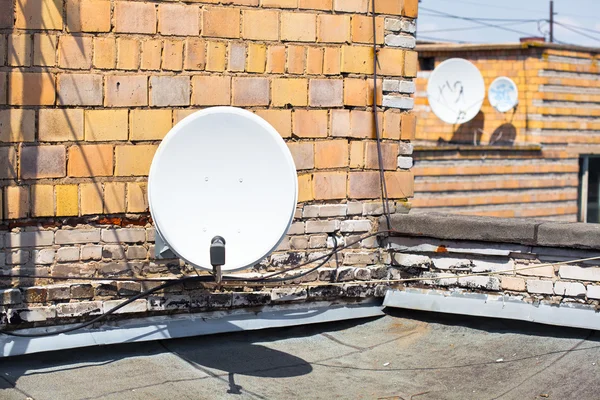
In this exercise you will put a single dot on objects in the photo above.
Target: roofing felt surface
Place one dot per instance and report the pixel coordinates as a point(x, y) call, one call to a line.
point(404, 355)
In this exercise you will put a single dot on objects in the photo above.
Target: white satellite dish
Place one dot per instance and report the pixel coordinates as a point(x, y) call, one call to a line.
point(456, 91)
point(503, 94)
point(222, 172)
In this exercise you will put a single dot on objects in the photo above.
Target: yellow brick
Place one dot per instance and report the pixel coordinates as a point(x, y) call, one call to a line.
point(128, 53)
point(358, 59)
point(357, 154)
point(88, 15)
point(114, 197)
point(91, 198)
point(411, 8)
point(411, 60)
point(151, 54)
point(67, 202)
point(292, 91)
point(39, 14)
point(331, 61)
point(333, 28)
point(305, 188)
point(137, 197)
point(354, 6)
point(17, 125)
point(105, 53)
point(149, 124)
point(216, 55)
point(260, 24)
point(355, 92)
point(330, 185)
point(31, 88)
point(316, 4)
point(90, 160)
point(296, 59)
point(389, 60)
point(105, 125)
point(60, 125)
point(19, 50)
point(42, 200)
point(393, 7)
point(276, 60)
point(134, 160)
point(212, 90)
point(279, 3)
point(281, 120)
point(195, 55)
point(362, 29)
point(75, 52)
point(298, 27)
point(223, 22)
point(314, 61)
point(257, 58)
point(16, 202)
point(44, 50)
point(173, 55)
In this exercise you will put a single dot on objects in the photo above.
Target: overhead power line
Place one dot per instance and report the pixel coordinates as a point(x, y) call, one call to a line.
point(577, 31)
point(579, 28)
point(471, 28)
point(478, 18)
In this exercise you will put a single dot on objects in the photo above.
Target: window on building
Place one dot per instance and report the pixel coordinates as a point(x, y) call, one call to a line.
point(426, 63)
point(589, 189)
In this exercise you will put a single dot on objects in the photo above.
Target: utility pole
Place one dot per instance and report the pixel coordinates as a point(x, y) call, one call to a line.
point(551, 21)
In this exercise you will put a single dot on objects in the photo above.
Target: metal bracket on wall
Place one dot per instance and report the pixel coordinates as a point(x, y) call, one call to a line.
point(161, 249)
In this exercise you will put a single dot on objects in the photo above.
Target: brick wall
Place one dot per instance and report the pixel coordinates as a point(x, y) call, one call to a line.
point(522, 164)
point(88, 88)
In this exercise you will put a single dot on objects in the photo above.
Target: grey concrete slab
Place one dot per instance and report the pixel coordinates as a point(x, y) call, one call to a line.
point(403, 355)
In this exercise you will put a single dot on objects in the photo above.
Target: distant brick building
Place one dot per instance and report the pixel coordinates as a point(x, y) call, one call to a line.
point(524, 163)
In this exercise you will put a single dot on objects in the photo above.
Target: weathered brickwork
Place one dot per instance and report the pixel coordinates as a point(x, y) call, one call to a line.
point(517, 164)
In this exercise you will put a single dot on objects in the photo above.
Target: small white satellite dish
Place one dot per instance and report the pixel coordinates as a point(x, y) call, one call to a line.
point(222, 176)
point(456, 91)
point(503, 94)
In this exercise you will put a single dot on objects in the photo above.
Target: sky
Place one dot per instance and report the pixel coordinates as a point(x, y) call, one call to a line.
point(579, 15)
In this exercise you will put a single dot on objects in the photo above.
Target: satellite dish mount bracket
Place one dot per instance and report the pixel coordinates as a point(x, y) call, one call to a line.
point(217, 256)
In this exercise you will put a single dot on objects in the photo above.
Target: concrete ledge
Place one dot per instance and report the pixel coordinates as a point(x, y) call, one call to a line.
point(499, 230)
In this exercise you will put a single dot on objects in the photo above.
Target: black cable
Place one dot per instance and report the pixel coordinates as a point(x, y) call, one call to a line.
point(577, 31)
point(471, 28)
point(384, 194)
point(334, 275)
point(480, 19)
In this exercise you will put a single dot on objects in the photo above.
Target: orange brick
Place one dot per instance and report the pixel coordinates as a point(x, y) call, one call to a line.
point(42, 200)
point(173, 55)
point(90, 160)
point(357, 154)
point(331, 154)
point(211, 90)
point(362, 124)
point(388, 61)
point(279, 3)
point(105, 125)
point(276, 59)
point(389, 152)
point(223, 22)
point(114, 197)
point(355, 92)
point(260, 24)
point(370, 92)
point(237, 57)
point(91, 198)
point(67, 200)
point(39, 14)
point(316, 4)
point(411, 61)
point(88, 15)
point(303, 154)
point(332, 61)
point(75, 52)
point(257, 58)
point(364, 185)
point(60, 125)
point(105, 53)
point(393, 7)
point(305, 188)
point(195, 58)
point(216, 55)
point(411, 8)
point(362, 29)
point(149, 124)
point(135, 17)
point(137, 197)
point(314, 63)
point(19, 50)
point(400, 184)
point(126, 90)
point(179, 19)
point(16, 202)
point(134, 160)
point(44, 50)
point(353, 6)
point(357, 59)
point(31, 88)
point(340, 123)
point(128, 53)
point(180, 114)
point(408, 126)
point(281, 120)
point(310, 123)
point(17, 125)
point(250, 91)
point(298, 27)
point(391, 124)
point(333, 28)
point(330, 185)
point(151, 54)
point(296, 59)
point(292, 91)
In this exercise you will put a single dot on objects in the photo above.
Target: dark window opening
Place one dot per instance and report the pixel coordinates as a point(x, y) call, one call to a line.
point(589, 189)
point(427, 63)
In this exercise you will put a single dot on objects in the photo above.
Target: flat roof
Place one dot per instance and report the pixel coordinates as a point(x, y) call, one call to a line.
point(448, 47)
